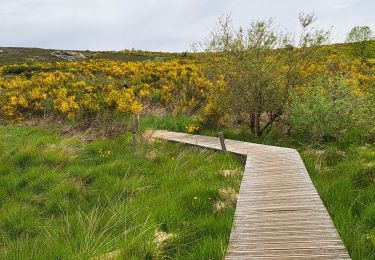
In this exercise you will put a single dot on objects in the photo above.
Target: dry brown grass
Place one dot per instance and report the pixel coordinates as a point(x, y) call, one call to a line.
point(230, 173)
point(227, 196)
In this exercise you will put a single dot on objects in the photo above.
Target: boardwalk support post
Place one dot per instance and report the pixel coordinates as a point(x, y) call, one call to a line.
point(221, 136)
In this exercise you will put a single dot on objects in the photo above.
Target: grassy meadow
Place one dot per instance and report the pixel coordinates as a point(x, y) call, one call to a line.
point(345, 180)
point(62, 198)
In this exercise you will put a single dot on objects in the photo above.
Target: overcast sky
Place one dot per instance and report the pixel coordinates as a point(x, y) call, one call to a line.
point(161, 25)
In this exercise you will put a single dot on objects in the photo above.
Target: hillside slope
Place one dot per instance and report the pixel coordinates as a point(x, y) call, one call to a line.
point(12, 55)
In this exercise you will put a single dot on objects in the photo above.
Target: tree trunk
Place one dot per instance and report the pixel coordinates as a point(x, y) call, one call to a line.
point(252, 123)
point(257, 125)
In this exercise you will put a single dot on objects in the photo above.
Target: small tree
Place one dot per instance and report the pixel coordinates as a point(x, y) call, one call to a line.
point(260, 64)
point(361, 42)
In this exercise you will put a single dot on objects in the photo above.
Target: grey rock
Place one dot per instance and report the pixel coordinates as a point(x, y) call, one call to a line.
point(69, 55)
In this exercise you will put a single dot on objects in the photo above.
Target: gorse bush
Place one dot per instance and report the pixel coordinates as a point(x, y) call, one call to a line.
point(77, 89)
point(327, 108)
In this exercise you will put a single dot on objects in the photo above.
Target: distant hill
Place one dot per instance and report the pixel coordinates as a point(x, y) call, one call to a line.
point(12, 55)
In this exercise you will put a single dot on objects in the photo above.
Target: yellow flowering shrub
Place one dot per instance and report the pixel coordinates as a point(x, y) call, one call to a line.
point(215, 111)
point(74, 89)
point(192, 128)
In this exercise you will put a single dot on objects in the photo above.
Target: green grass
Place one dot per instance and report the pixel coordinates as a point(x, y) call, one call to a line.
point(61, 195)
point(343, 172)
point(345, 180)
point(63, 199)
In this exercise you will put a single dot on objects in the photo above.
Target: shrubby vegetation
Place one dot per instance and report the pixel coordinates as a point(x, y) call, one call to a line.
point(249, 75)
point(76, 90)
point(328, 108)
point(272, 77)
point(261, 65)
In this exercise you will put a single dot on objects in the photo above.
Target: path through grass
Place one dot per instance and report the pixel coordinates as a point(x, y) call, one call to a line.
point(343, 172)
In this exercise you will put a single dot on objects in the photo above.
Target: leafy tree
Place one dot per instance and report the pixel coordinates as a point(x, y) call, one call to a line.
point(361, 42)
point(260, 64)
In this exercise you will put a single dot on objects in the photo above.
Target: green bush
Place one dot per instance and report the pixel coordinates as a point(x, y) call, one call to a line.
point(327, 109)
point(25, 69)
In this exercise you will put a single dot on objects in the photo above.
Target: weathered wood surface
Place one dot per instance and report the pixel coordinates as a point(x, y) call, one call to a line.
point(279, 214)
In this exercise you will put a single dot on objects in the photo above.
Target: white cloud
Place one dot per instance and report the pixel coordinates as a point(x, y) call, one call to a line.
point(167, 25)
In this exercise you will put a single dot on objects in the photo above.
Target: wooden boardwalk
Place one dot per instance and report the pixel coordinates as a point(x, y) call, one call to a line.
point(279, 214)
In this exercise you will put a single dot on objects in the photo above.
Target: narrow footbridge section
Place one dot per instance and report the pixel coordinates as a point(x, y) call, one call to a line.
point(279, 214)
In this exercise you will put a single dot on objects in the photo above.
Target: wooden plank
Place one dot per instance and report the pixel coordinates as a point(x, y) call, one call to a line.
point(279, 214)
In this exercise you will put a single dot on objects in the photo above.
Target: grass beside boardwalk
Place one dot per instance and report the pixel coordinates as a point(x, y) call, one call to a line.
point(61, 198)
point(345, 180)
point(343, 172)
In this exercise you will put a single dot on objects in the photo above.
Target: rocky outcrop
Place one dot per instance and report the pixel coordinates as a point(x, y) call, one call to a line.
point(69, 55)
